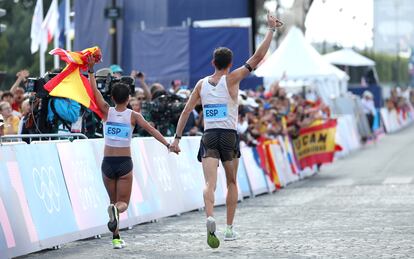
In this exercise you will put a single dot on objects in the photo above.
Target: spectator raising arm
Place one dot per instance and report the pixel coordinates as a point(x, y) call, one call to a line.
point(141, 77)
point(21, 77)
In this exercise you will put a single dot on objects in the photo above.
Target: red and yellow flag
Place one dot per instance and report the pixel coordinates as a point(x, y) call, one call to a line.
point(267, 162)
point(316, 144)
point(70, 83)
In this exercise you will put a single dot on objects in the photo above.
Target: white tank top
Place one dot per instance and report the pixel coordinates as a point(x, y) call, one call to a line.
point(117, 128)
point(219, 109)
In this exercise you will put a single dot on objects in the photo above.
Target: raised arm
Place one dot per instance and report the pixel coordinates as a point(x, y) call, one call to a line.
point(100, 101)
point(240, 73)
point(141, 77)
point(21, 76)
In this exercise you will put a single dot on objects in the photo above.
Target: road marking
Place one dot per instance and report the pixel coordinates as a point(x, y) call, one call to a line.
point(341, 182)
point(397, 180)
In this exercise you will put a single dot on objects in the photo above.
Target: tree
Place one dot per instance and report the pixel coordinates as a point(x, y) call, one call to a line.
point(294, 15)
point(15, 41)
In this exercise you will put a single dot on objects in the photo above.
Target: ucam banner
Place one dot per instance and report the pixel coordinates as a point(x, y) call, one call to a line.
point(316, 144)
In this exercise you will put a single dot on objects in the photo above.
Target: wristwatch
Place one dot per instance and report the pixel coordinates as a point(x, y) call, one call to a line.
point(177, 137)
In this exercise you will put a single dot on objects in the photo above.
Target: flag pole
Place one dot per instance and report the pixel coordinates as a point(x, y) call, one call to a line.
point(42, 61)
point(56, 45)
point(67, 25)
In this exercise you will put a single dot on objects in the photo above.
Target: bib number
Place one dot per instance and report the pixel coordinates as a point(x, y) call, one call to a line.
point(215, 112)
point(117, 131)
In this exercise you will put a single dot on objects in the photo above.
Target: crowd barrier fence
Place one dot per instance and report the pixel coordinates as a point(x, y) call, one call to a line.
point(52, 193)
point(396, 120)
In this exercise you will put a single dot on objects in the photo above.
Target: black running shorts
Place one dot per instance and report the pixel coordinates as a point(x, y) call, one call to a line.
point(116, 166)
point(223, 144)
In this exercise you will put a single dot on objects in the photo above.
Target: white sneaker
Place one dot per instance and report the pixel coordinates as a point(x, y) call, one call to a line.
point(113, 214)
point(118, 243)
point(230, 234)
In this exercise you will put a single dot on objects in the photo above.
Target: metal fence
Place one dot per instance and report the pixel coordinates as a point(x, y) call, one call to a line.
point(28, 138)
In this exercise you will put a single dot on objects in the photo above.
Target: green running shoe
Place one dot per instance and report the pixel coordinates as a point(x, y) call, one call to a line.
point(118, 243)
point(212, 240)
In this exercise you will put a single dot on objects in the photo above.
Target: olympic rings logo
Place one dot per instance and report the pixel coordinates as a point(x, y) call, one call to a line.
point(161, 167)
point(47, 188)
point(86, 185)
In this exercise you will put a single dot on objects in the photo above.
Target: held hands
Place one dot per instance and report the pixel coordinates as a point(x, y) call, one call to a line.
point(273, 22)
point(174, 147)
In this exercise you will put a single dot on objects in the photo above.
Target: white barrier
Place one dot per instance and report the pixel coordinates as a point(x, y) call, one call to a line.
point(395, 121)
point(347, 135)
point(45, 184)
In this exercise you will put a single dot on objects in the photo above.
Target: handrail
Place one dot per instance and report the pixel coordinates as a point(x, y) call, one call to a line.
point(41, 137)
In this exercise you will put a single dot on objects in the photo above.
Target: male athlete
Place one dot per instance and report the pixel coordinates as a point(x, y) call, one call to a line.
point(219, 96)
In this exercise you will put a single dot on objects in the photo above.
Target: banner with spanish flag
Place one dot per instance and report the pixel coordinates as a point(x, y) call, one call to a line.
point(316, 144)
point(70, 83)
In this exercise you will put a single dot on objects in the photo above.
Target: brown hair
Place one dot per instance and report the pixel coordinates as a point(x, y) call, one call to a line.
point(222, 57)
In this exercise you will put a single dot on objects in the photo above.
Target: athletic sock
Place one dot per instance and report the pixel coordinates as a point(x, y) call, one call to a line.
point(116, 237)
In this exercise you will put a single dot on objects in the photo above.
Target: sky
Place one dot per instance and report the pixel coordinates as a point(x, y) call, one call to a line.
point(348, 23)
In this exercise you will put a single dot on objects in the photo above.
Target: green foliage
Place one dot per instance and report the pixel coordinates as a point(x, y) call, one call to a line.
point(15, 52)
point(389, 69)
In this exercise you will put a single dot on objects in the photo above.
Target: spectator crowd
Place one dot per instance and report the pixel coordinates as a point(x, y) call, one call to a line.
point(262, 114)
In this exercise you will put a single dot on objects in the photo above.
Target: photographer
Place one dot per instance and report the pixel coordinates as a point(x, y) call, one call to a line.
point(164, 109)
point(117, 163)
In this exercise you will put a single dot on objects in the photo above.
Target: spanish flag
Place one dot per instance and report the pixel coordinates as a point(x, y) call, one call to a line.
point(267, 162)
point(316, 144)
point(70, 83)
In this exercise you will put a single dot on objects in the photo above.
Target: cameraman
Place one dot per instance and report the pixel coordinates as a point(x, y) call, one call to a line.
point(117, 163)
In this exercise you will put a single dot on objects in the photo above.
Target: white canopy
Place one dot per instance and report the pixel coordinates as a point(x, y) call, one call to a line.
point(298, 60)
point(348, 57)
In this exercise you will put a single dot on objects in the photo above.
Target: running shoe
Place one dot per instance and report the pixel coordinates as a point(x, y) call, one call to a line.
point(212, 240)
point(118, 243)
point(230, 234)
point(123, 243)
point(113, 217)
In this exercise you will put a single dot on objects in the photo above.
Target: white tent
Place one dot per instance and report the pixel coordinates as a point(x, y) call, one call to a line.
point(298, 60)
point(348, 57)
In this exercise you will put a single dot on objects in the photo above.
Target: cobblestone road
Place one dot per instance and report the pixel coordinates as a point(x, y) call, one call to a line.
point(359, 207)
